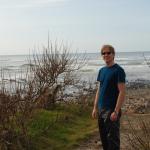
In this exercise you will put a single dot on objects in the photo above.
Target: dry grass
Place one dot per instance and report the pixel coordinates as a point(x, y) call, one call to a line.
point(136, 128)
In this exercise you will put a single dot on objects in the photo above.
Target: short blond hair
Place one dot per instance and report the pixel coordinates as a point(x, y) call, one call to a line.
point(110, 47)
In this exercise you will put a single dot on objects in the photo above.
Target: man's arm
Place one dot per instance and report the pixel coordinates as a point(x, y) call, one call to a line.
point(121, 96)
point(120, 100)
point(94, 112)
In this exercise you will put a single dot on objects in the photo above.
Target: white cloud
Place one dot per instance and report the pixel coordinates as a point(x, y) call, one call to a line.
point(28, 3)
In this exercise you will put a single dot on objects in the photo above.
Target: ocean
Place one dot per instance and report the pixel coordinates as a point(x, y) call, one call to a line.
point(134, 64)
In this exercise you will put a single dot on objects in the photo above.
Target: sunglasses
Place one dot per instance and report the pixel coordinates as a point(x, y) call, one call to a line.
point(104, 53)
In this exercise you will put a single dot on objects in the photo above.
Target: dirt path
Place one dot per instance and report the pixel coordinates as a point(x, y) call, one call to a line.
point(94, 143)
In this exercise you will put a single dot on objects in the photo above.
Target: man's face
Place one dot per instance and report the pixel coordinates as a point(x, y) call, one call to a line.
point(107, 55)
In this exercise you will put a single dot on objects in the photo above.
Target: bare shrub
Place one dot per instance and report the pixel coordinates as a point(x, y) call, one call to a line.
point(55, 69)
point(16, 106)
point(138, 135)
point(47, 75)
point(146, 60)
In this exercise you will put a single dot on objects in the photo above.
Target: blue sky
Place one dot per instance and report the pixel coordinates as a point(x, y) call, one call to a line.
point(84, 24)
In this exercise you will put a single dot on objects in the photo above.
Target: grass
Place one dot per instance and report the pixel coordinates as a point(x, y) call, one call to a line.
point(62, 128)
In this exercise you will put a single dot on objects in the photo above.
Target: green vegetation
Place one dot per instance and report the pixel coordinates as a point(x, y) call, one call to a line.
point(62, 128)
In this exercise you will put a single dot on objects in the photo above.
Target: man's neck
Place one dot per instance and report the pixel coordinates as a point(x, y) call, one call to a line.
point(110, 64)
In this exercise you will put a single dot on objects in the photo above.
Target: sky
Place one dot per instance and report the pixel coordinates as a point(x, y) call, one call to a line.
point(84, 25)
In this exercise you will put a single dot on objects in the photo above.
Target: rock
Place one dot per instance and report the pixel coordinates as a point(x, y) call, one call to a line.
point(98, 143)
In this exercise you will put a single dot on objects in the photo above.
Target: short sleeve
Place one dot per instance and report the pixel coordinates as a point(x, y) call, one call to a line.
point(98, 77)
point(121, 75)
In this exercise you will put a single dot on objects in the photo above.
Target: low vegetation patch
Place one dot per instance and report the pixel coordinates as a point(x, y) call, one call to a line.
point(62, 128)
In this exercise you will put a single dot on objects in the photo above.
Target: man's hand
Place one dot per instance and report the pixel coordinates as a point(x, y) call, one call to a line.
point(113, 116)
point(94, 113)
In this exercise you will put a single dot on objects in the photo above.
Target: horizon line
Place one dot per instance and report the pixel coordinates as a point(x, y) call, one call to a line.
point(77, 53)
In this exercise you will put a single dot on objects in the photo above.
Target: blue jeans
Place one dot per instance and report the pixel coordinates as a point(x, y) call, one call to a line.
point(109, 130)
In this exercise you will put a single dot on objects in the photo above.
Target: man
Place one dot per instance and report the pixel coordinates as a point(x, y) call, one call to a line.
point(109, 99)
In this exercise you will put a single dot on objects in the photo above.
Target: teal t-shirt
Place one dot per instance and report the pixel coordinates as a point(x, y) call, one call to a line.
point(109, 77)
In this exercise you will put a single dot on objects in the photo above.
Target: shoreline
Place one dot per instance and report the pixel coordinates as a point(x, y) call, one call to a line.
point(137, 98)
